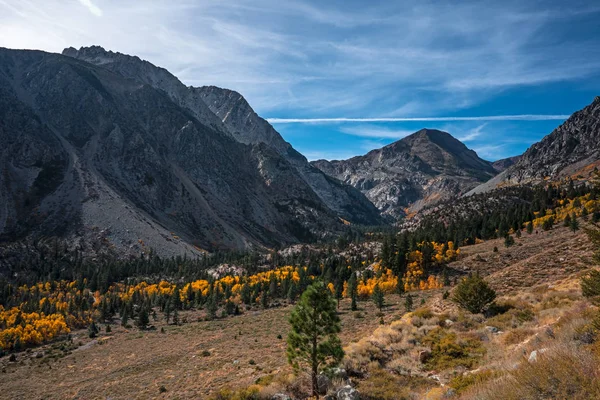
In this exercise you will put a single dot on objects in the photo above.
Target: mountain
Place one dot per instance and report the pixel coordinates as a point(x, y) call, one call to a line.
point(103, 157)
point(501, 165)
point(571, 150)
point(421, 169)
point(228, 112)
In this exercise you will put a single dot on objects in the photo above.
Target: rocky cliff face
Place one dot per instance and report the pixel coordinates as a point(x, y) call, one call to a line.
point(92, 152)
point(571, 146)
point(572, 149)
point(228, 112)
point(421, 169)
point(505, 163)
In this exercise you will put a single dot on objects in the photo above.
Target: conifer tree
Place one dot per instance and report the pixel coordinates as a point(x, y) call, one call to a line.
point(142, 319)
point(530, 227)
point(473, 294)
point(378, 297)
point(574, 225)
point(312, 341)
point(408, 303)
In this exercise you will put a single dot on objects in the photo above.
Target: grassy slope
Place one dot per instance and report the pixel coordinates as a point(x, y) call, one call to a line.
point(133, 364)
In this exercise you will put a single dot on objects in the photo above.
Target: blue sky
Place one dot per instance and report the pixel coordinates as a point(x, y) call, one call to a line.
point(310, 61)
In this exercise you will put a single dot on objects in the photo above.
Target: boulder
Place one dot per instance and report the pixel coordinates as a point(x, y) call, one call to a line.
point(492, 329)
point(281, 396)
point(347, 393)
point(323, 383)
point(339, 373)
point(534, 354)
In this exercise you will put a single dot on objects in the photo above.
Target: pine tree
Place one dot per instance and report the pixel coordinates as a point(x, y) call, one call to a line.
point(574, 225)
point(530, 227)
point(125, 316)
point(509, 241)
point(264, 300)
point(292, 292)
point(211, 308)
point(567, 221)
point(473, 294)
point(408, 303)
point(596, 216)
point(378, 297)
point(175, 317)
point(142, 320)
point(312, 341)
point(339, 290)
point(584, 214)
point(92, 330)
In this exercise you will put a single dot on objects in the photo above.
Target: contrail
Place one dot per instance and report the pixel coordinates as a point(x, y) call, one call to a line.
point(523, 117)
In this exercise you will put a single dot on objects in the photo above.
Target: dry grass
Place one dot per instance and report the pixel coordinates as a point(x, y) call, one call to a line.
point(190, 361)
point(542, 308)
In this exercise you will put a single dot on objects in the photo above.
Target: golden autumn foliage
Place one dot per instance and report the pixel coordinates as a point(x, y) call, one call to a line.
point(566, 207)
point(414, 278)
point(387, 283)
point(21, 329)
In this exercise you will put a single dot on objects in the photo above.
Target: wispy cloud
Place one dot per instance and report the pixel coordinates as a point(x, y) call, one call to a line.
point(472, 134)
point(523, 117)
point(375, 132)
point(94, 9)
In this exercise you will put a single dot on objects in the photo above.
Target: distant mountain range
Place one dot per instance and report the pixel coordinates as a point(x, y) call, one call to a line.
point(106, 150)
point(426, 167)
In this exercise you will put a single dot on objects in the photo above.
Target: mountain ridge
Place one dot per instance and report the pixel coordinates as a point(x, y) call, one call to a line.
point(570, 150)
point(421, 169)
point(106, 161)
point(230, 113)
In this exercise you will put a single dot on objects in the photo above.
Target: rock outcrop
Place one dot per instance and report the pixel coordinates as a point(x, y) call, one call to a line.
point(424, 168)
point(571, 150)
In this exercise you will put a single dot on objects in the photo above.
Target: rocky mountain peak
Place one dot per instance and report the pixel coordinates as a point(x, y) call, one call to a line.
point(423, 168)
point(570, 150)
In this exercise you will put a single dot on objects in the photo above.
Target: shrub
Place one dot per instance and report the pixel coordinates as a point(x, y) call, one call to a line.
point(473, 294)
point(590, 285)
point(517, 336)
point(448, 351)
point(423, 312)
point(382, 385)
point(462, 382)
point(566, 372)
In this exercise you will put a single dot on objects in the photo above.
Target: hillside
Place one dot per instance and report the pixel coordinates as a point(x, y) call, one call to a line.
point(201, 358)
point(571, 150)
point(421, 169)
point(80, 139)
point(228, 112)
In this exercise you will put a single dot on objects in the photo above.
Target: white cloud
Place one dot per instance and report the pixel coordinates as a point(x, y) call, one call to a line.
point(523, 117)
point(375, 132)
point(472, 134)
point(390, 59)
point(94, 9)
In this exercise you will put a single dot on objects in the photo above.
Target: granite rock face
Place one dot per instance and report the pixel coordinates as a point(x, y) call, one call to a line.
point(572, 149)
point(426, 167)
point(228, 112)
point(128, 154)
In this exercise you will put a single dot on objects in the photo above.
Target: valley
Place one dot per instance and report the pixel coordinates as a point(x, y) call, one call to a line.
point(163, 240)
